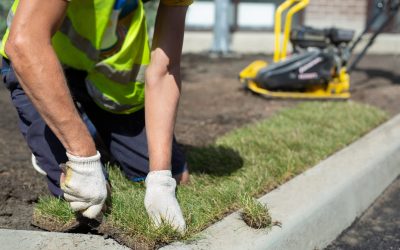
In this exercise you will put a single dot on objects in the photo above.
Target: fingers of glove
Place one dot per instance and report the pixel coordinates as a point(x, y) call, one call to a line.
point(155, 218)
point(79, 205)
point(163, 207)
point(65, 188)
point(160, 200)
point(173, 218)
point(70, 193)
point(70, 197)
point(93, 211)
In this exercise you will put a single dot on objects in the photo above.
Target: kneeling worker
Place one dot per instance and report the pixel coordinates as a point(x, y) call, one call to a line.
point(83, 79)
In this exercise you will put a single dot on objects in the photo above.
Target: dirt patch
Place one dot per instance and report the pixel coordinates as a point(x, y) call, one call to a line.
point(20, 185)
point(212, 103)
point(377, 82)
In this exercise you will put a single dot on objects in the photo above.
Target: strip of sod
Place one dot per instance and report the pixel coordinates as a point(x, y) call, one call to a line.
point(248, 161)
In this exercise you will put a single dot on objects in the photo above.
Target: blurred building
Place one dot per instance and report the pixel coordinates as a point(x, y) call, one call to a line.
point(252, 21)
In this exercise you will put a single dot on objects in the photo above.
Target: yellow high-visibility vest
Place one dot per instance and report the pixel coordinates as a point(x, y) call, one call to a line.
point(115, 82)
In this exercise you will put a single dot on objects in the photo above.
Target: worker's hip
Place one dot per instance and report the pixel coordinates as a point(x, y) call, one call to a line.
point(7, 75)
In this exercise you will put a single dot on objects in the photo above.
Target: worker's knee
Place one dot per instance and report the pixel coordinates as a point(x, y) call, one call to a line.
point(183, 178)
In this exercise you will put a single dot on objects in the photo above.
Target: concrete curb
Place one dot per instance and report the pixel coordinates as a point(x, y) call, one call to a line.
point(33, 240)
point(316, 206)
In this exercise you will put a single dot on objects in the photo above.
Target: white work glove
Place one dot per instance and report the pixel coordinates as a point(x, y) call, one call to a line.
point(160, 200)
point(84, 184)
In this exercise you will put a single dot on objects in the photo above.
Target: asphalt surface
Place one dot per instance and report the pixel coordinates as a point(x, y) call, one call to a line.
point(378, 228)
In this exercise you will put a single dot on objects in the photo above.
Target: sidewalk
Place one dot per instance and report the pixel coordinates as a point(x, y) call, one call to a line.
point(34, 240)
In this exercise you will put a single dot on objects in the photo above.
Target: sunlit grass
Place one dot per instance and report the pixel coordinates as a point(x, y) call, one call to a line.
point(246, 162)
point(254, 213)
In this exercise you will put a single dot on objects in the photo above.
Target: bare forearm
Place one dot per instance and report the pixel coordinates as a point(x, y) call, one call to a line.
point(42, 79)
point(163, 85)
point(41, 75)
point(161, 108)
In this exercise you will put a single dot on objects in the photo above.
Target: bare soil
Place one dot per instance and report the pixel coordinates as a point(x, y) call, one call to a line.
point(213, 103)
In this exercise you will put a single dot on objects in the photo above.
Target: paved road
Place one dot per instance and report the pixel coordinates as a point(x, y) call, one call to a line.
point(378, 228)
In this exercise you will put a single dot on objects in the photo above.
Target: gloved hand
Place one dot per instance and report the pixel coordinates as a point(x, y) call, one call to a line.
point(84, 184)
point(160, 200)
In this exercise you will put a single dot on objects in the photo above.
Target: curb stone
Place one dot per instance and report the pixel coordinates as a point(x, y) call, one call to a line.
point(33, 240)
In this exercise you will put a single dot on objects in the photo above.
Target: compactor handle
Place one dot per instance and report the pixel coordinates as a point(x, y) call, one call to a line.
point(279, 53)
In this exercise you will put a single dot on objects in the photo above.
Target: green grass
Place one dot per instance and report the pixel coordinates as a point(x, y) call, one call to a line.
point(55, 208)
point(246, 162)
point(254, 213)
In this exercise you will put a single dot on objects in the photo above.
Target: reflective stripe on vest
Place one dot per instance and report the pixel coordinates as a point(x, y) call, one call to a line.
point(79, 41)
point(102, 100)
point(83, 44)
point(135, 74)
point(115, 83)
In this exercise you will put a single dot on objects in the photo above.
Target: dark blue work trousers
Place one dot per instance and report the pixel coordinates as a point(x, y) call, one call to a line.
point(121, 139)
